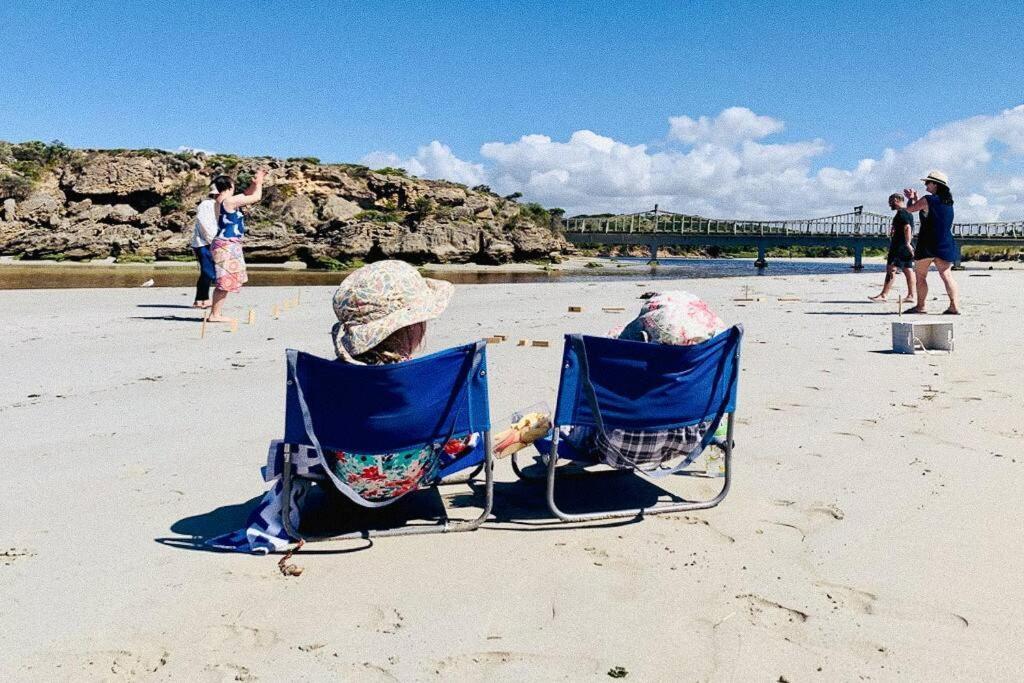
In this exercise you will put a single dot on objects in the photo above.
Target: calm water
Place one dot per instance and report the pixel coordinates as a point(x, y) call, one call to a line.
point(73, 277)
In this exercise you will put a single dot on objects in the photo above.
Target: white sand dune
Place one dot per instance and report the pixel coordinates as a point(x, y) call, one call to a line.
point(873, 531)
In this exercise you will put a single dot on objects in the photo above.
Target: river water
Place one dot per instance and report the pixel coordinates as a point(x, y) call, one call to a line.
point(59, 276)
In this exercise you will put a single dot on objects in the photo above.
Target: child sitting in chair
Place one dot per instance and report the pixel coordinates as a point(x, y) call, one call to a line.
point(678, 318)
point(382, 310)
point(674, 317)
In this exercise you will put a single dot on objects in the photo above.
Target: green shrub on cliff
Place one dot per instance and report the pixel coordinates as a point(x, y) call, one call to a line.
point(424, 206)
point(333, 264)
point(226, 163)
point(315, 161)
point(242, 181)
point(29, 161)
point(14, 187)
point(39, 153)
point(535, 212)
point(391, 170)
point(379, 216)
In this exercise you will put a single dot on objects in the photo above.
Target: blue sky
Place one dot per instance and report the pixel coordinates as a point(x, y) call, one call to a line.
point(343, 80)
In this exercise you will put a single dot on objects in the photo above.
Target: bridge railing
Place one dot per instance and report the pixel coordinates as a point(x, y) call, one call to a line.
point(1012, 229)
point(851, 224)
point(847, 224)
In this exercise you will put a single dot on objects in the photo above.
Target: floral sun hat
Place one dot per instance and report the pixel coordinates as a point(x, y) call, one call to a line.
point(677, 318)
point(380, 299)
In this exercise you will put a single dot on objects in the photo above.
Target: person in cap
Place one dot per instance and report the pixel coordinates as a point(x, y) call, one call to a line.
point(676, 318)
point(935, 243)
point(901, 250)
point(203, 232)
point(382, 310)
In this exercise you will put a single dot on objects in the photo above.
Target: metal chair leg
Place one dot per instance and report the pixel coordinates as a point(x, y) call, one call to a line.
point(639, 512)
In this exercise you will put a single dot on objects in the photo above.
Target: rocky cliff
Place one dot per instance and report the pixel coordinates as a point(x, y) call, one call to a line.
point(56, 202)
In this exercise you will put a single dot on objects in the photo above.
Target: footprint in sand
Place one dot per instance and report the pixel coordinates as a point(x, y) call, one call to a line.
point(698, 521)
point(815, 517)
point(9, 556)
point(847, 597)
point(122, 665)
point(227, 672)
point(860, 601)
point(368, 671)
point(131, 666)
point(764, 612)
point(828, 509)
point(237, 637)
point(384, 619)
point(508, 665)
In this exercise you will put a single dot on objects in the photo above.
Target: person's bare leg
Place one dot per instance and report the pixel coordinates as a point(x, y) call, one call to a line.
point(945, 269)
point(911, 284)
point(921, 267)
point(216, 316)
point(890, 273)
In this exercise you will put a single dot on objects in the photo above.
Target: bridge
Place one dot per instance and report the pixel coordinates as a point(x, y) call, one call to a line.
point(856, 230)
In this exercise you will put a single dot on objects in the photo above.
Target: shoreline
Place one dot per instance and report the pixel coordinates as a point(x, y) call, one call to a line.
point(568, 263)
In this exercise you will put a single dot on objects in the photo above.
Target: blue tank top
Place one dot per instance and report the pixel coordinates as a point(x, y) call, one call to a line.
point(937, 229)
point(231, 224)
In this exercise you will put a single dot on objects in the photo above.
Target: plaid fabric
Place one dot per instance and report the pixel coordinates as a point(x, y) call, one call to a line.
point(628, 449)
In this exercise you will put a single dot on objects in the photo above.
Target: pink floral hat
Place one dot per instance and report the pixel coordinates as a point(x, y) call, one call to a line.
point(380, 299)
point(677, 318)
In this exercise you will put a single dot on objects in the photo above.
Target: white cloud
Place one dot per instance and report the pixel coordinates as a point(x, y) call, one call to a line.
point(731, 126)
point(721, 167)
point(194, 150)
point(431, 161)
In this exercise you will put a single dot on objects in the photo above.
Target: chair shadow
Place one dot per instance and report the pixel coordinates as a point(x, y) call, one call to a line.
point(196, 530)
point(520, 503)
point(524, 502)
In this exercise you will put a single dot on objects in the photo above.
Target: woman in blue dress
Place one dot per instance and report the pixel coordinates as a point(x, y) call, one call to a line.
point(935, 241)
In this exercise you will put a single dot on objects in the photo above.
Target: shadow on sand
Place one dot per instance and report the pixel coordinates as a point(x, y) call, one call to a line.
point(177, 318)
point(191, 308)
point(520, 504)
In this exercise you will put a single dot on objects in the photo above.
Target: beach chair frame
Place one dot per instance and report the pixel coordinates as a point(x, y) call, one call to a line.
point(477, 364)
point(574, 344)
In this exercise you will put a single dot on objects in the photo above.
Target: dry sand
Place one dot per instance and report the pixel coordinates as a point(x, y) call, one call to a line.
point(873, 531)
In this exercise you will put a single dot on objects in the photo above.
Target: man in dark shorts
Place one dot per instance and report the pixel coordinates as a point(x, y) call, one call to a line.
point(901, 251)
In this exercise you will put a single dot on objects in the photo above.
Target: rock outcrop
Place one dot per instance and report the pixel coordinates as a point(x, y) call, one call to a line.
point(140, 204)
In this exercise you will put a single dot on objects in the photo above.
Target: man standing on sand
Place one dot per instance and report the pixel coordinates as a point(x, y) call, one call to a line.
point(202, 235)
point(901, 251)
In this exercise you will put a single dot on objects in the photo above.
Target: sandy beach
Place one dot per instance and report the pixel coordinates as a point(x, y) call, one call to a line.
point(872, 532)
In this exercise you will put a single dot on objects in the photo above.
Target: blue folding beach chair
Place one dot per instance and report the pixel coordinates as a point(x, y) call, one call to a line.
point(385, 408)
point(616, 384)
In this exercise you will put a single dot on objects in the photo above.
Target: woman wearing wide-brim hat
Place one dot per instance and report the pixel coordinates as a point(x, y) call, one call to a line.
point(382, 310)
point(935, 241)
